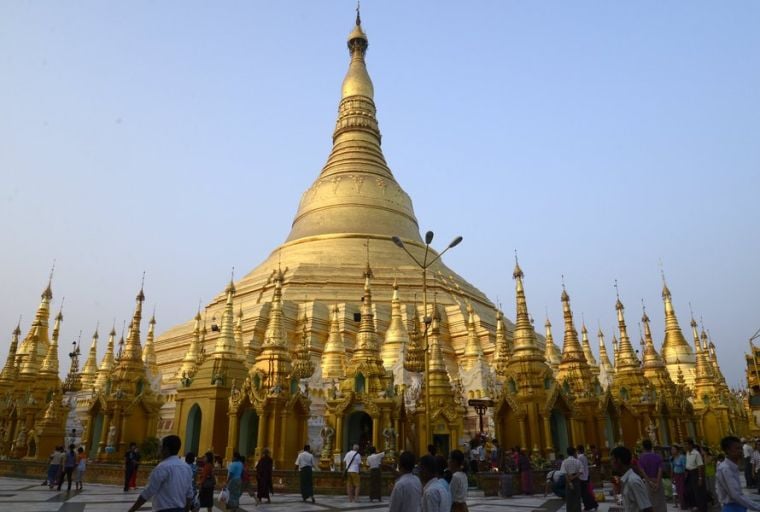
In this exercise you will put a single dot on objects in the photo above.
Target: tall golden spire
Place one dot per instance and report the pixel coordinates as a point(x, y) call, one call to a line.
point(50, 363)
point(239, 345)
point(437, 364)
point(501, 354)
point(625, 356)
point(587, 353)
point(675, 347)
point(606, 370)
point(524, 336)
point(396, 337)
point(473, 351)
point(107, 363)
point(30, 365)
point(10, 370)
point(133, 348)
point(654, 367)
point(225, 344)
point(551, 351)
point(571, 348)
point(192, 357)
point(274, 357)
point(651, 358)
point(334, 353)
point(90, 369)
point(366, 348)
point(356, 185)
point(38, 332)
point(149, 350)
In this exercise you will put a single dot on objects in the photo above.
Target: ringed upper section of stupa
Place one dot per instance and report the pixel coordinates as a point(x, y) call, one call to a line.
point(345, 221)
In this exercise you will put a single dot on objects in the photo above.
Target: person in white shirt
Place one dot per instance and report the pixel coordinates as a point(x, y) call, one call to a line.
point(435, 495)
point(696, 493)
point(170, 485)
point(589, 501)
point(747, 450)
point(572, 469)
point(374, 460)
point(458, 485)
point(728, 487)
point(754, 462)
point(352, 460)
point(635, 493)
point(407, 491)
point(305, 463)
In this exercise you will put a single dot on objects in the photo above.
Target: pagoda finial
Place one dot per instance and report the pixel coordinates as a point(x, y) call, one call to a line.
point(334, 353)
point(358, 13)
point(524, 336)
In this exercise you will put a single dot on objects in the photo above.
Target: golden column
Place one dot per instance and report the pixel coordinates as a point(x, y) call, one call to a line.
point(424, 265)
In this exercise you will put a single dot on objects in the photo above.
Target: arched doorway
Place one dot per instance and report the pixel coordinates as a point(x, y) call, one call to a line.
point(560, 437)
point(95, 432)
point(509, 427)
point(630, 426)
point(358, 431)
point(193, 429)
point(248, 433)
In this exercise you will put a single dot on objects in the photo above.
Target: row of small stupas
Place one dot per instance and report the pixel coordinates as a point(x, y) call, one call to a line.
point(325, 342)
point(543, 397)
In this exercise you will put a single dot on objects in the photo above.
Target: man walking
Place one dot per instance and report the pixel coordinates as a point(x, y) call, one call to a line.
point(589, 501)
point(650, 464)
point(749, 477)
point(170, 485)
point(727, 484)
point(407, 491)
point(695, 478)
point(635, 494)
point(352, 461)
point(305, 463)
point(435, 495)
point(571, 467)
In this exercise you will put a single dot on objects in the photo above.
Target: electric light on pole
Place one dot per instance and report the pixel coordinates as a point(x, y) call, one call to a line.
point(427, 320)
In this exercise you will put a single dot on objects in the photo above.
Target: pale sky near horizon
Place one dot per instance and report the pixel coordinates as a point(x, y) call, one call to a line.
point(176, 137)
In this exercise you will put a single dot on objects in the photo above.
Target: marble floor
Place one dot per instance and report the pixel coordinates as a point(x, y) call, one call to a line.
point(29, 496)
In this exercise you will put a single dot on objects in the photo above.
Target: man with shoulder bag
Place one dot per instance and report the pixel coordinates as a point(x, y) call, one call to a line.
point(352, 460)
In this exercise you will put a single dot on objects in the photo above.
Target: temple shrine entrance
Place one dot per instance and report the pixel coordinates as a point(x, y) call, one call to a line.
point(193, 430)
point(358, 431)
point(248, 433)
point(560, 437)
point(95, 433)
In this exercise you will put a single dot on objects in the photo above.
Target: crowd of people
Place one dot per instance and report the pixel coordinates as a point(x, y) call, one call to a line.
point(643, 480)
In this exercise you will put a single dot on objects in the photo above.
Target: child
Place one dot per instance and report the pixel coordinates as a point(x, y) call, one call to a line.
point(81, 466)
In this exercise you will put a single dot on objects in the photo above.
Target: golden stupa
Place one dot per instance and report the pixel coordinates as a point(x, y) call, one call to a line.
point(339, 337)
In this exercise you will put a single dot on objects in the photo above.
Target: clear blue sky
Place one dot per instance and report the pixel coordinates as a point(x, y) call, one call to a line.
point(176, 137)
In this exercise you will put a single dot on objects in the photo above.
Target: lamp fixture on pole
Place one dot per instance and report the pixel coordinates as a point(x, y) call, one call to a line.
point(426, 319)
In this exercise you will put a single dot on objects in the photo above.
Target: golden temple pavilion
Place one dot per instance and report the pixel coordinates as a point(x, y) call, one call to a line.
point(339, 338)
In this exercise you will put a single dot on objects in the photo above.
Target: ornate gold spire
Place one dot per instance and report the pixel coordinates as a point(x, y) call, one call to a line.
point(571, 348)
point(50, 363)
point(587, 350)
point(551, 351)
point(396, 337)
point(654, 367)
point(192, 357)
point(473, 352)
point(606, 370)
point(334, 353)
point(437, 364)
point(675, 347)
point(30, 365)
point(149, 350)
point(38, 332)
point(133, 347)
point(356, 193)
point(107, 363)
point(651, 358)
point(9, 370)
point(501, 355)
point(274, 358)
point(239, 345)
point(226, 346)
point(90, 369)
point(524, 336)
point(625, 356)
point(366, 348)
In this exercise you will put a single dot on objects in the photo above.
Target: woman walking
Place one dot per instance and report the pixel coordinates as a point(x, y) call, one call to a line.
point(207, 483)
point(81, 467)
point(235, 481)
point(678, 463)
point(70, 462)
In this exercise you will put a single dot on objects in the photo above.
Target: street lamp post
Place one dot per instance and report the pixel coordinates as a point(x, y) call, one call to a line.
point(427, 320)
